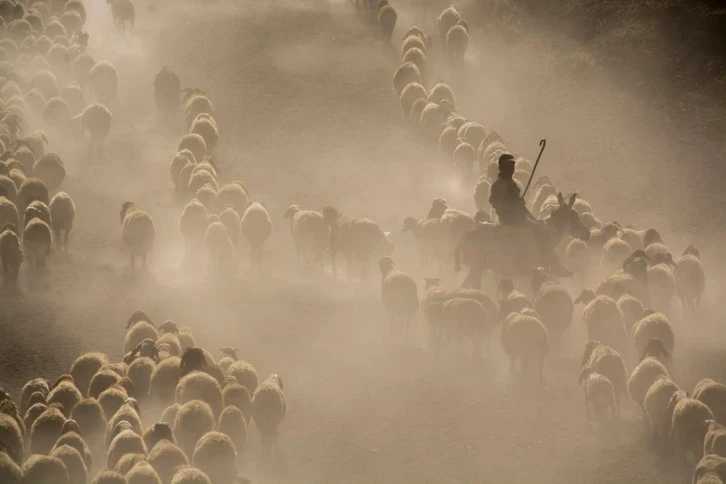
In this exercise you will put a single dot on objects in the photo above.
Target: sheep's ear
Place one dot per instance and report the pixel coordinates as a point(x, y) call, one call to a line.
point(571, 202)
point(560, 199)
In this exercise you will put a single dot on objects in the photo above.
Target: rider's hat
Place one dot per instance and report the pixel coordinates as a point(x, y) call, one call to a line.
point(505, 159)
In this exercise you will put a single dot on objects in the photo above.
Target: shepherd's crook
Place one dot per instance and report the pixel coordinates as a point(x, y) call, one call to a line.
point(542, 143)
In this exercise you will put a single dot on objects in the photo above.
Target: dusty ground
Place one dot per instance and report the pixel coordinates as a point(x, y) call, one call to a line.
point(308, 116)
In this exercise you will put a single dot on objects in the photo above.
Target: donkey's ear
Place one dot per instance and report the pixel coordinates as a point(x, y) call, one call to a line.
point(572, 200)
point(560, 199)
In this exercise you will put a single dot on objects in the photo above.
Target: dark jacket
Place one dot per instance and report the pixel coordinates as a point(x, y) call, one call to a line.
point(506, 200)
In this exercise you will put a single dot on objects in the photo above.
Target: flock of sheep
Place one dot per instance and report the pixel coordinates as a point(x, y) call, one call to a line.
point(98, 416)
point(170, 412)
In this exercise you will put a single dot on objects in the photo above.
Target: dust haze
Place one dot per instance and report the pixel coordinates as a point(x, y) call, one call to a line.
point(308, 115)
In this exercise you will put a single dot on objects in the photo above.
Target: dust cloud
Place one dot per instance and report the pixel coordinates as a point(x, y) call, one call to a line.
point(307, 115)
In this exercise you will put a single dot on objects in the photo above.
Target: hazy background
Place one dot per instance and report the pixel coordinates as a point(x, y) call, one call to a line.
point(308, 115)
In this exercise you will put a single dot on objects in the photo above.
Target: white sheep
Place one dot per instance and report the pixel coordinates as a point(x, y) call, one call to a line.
point(417, 57)
point(50, 169)
point(233, 424)
point(269, 408)
point(72, 459)
point(599, 395)
point(193, 224)
point(219, 246)
point(196, 103)
point(690, 279)
point(653, 326)
point(387, 18)
point(643, 376)
point(235, 194)
point(194, 143)
point(137, 232)
point(406, 73)
point(198, 385)
point(688, 426)
point(96, 119)
point(412, 92)
point(11, 253)
point(457, 40)
point(465, 318)
point(193, 420)
point(655, 405)
point(554, 305)
point(103, 82)
point(205, 126)
point(73, 95)
point(310, 234)
point(45, 469)
point(124, 14)
point(439, 92)
point(256, 227)
point(608, 362)
point(216, 456)
point(713, 394)
point(63, 212)
point(447, 19)
point(37, 242)
point(56, 114)
point(399, 294)
point(604, 321)
point(525, 338)
point(82, 66)
point(165, 457)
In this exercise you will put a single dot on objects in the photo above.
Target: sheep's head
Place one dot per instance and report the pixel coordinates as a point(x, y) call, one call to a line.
point(4, 395)
point(161, 431)
point(663, 258)
point(637, 263)
point(586, 372)
point(482, 216)
point(71, 425)
point(651, 236)
point(385, 264)
point(137, 317)
point(585, 297)
point(31, 213)
point(330, 215)
point(229, 351)
point(463, 24)
point(61, 379)
point(127, 208)
point(409, 224)
point(192, 359)
point(10, 227)
point(692, 250)
point(589, 348)
point(438, 207)
point(539, 277)
point(169, 327)
point(131, 402)
point(675, 398)
point(130, 389)
point(277, 379)
point(290, 212)
point(656, 349)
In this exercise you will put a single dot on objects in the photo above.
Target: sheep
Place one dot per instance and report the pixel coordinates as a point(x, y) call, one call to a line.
point(139, 372)
point(109, 477)
point(45, 430)
point(713, 394)
point(10, 472)
point(433, 117)
point(406, 73)
point(74, 439)
point(464, 317)
point(171, 340)
point(690, 281)
point(256, 227)
point(431, 240)
point(82, 66)
point(91, 419)
point(656, 418)
point(711, 469)
point(268, 409)
point(126, 442)
point(100, 381)
point(194, 143)
point(11, 253)
point(355, 239)
point(653, 326)
point(137, 232)
point(608, 362)
point(233, 423)
point(643, 376)
point(387, 18)
point(128, 413)
point(411, 93)
point(123, 13)
point(8, 189)
point(65, 392)
point(36, 385)
point(614, 252)
point(96, 119)
point(167, 88)
point(215, 455)
point(156, 433)
point(599, 395)
point(688, 426)
point(196, 104)
point(603, 320)
point(190, 475)
point(554, 305)
point(219, 247)
point(37, 242)
point(50, 170)
point(310, 234)
point(205, 126)
point(44, 469)
point(525, 338)
point(165, 457)
point(399, 294)
point(200, 386)
point(418, 58)
point(457, 40)
point(715, 440)
point(11, 434)
point(46, 82)
point(77, 471)
point(237, 395)
point(63, 212)
point(56, 113)
point(512, 301)
point(164, 379)
point(194, 419)
point(193, 224)
point(142, 473)
point(138, 331)
point(73, 95)
point(464, 158)
point(103, 83)
point(632, 310)
point(38, 209)
point(446, 20)
point(129, 461)
point(448, 140)
point(34, 411)
point(474, 133)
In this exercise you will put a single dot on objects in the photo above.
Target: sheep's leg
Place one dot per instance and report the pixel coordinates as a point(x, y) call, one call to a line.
point(144, 265)
point(541, 371)
point(587, 405)
point(132, 261)
point(349, 261)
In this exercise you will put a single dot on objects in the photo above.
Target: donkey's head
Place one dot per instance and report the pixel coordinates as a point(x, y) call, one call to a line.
point(565, 220)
